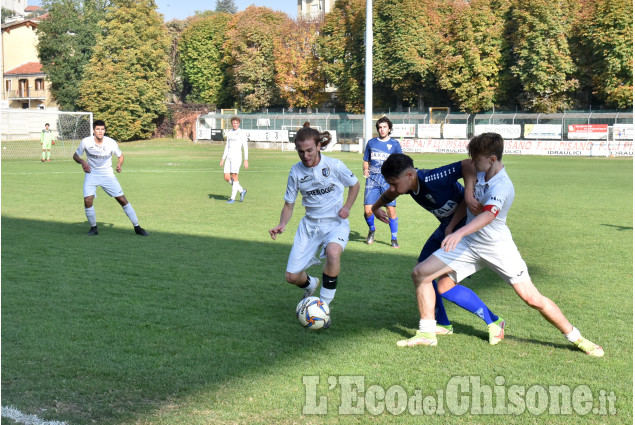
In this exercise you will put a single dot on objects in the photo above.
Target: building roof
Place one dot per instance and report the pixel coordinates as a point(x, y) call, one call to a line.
point(29, 68)
point(32, 8)
point(25, 22)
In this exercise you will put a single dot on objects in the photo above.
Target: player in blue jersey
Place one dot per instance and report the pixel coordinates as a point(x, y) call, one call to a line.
point(321, 181)
point(439, 192)
point(377, 150)
point(485, 241)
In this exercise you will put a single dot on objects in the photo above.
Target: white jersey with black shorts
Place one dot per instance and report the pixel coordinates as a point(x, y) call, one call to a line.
point(492, 246)
point(236, 142)
point(99, 158)
point(322, 190)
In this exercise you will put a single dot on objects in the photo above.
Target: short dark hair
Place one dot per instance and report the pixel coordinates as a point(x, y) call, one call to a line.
point(395, 164)
point(308, 133)
point(235, 118)
point(486, 144)
point(381, 120)
point(99, 122)
point(47, 124)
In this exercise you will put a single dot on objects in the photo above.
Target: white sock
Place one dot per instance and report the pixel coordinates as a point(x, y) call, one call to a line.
point(238, 187)
point(427, 326)
point(327, 295)
point(131, 214)
point(91, 216)
point(574, 335)
point(313, 282)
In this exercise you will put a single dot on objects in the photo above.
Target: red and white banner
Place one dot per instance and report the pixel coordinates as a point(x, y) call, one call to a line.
point(527, 147)
point(588, 131)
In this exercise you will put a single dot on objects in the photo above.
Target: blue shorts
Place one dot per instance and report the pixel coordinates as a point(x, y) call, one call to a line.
point(434, 241)
point(375, 187)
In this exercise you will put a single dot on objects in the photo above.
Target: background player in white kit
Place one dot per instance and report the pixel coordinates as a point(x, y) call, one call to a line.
point(321, 181)
point(99, 150)
point(486, 241)
point(232, 157)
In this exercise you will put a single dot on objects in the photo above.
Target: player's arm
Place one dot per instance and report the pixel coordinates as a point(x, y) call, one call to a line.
point(386, 198)
point(119, 163)
point(285, 216)
point(480, 221)
point(353, 191)
point(459, 214)
point(83, 163)
point(246, 149)
point(365, 166)
point(469, 180)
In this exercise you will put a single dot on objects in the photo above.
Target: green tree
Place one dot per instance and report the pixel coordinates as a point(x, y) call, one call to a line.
point(249, 52)
point(470, 56)
point(65, 44)
point(201, 55)
point(298, 71)
point(226, 6)
point(125, 82)
point(341, 48)
point(607, 30)
point(543, 63)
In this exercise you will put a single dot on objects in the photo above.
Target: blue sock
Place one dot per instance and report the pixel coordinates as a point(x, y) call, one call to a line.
point(467, 299)
point(393, 227)
point(439, 311)
point(371, 222)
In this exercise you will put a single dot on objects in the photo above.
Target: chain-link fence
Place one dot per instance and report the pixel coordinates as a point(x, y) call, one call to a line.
point(21, 131)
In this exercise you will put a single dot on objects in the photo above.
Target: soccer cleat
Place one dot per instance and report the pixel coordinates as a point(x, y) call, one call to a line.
point(420, 338)
point(309, 292)
point(444, 330)
point(231, 201)
point(93, 231)
point(140, 231)
point(48, 160)
point(394, 243)
point(242, 195)
point(43, 160)
point(496, 331)
point(371, 237)
point(327, 324)
point(589, 347)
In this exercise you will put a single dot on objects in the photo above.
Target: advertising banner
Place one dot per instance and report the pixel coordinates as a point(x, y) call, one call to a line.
point(623, 132)
point(508, 131)
point(543, 131)
point(455, 131)
point(429, 131)
point(403, 130)
point(267, 135)
point(588, 131)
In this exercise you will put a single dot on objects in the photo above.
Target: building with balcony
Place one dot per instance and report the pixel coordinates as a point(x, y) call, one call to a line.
point(24, 85)
point(314, 9)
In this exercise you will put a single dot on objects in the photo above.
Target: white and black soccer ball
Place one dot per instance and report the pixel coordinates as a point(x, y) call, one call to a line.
point(313, 313)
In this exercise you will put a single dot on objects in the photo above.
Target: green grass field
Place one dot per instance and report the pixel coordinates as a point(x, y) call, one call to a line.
point(195, 324)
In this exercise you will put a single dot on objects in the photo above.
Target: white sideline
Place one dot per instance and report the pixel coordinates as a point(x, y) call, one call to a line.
point(22, 418)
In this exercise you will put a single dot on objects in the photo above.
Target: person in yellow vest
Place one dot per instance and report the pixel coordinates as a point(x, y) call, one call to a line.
point(46, 140)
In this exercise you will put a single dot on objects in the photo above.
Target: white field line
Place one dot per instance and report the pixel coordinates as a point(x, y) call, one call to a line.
point(23, 418)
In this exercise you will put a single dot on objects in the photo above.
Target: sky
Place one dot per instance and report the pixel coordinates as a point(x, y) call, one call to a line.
point(181, 9)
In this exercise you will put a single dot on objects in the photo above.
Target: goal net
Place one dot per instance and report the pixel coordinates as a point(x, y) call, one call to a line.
point(21, 130)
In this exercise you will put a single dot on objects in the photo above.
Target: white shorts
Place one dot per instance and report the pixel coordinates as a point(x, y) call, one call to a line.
point(109, 183)
point(232, 165)
point(312, 235)
point(503, 258)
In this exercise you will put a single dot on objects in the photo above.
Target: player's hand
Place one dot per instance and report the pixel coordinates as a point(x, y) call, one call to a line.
point(118, 168)
point(473, 205)
point(86, 167)
point(246, 164)
point(222, 162)
point(276, 231)
point(381, 215)
point(366, 173)
point(450, 241)
point(344, 212)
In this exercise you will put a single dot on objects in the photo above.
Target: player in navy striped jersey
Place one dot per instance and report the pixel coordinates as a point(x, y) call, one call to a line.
point(439, 192)
point(377, 150)
point(321, 181)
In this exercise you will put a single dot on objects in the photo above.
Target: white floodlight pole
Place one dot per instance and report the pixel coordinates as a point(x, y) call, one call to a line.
point(368, 106)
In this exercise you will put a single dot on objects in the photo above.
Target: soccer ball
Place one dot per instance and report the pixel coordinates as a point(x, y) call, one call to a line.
point(312, 313)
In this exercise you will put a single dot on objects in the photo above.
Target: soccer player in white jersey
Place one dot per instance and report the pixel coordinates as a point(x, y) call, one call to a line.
point(99, 150)
point(485, 241)
point(232, 157)
point(321, 181)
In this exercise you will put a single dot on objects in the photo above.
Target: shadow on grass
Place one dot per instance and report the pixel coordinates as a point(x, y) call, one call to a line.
point(618, 228)
point(219, 197)
point(103, 329)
